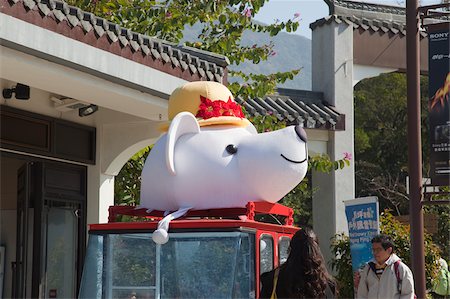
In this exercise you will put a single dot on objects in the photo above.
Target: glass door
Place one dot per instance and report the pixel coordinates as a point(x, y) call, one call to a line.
point(60, 256)
point(51, 230)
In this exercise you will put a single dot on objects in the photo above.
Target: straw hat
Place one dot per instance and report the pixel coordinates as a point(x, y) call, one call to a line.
point(210, 102)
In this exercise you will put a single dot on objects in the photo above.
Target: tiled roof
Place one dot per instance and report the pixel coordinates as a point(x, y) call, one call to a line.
point(341, 6)
point(185, 62)
point(366, 16)
point(296, 107)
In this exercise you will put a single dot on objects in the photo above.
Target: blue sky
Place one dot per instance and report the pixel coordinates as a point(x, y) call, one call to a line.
point(310, 11)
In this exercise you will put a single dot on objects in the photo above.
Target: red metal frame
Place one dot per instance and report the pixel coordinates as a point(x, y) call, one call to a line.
point(251, 209)
point(276, 235)
point(195, 223)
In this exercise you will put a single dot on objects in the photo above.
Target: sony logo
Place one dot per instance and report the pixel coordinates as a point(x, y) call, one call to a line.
point(439, 35)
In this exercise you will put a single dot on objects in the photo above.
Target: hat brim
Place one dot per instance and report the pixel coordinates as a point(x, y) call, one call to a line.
point(215, 121)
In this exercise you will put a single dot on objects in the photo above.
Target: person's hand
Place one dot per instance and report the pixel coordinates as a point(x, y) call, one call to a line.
point(356, 279)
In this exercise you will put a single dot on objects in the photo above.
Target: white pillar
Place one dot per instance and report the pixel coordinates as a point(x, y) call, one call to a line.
point(100, 188)
point(332, 74)
point(100, 195)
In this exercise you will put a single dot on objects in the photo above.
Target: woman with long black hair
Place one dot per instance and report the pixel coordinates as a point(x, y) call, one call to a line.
point(303, 275)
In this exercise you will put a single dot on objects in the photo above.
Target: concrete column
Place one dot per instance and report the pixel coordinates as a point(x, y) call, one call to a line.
point(100, 188)
point(100, 195)
point(332, 74)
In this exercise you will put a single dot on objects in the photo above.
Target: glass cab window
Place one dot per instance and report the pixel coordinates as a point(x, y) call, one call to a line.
point(283, 249)
point(265, 253)
point(190, 265)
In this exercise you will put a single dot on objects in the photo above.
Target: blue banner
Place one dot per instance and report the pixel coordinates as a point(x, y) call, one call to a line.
point(363, 225)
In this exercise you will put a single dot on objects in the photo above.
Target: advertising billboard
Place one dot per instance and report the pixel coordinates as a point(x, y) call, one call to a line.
point(439, 110)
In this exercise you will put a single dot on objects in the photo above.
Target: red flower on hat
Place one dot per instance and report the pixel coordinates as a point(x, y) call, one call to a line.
point(232, 109)
point(208, 108)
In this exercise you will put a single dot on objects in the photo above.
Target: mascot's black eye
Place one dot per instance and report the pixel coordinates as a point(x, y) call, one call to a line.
point(231, 149)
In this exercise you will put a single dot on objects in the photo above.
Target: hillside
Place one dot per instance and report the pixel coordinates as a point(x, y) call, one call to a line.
point(292, 51)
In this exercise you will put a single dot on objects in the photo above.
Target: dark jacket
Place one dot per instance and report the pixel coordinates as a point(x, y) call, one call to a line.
point(267, 286)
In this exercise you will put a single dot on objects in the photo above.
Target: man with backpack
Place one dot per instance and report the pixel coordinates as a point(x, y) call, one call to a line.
point(386, 276)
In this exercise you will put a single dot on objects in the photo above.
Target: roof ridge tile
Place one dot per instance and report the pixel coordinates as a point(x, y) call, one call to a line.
point(44, 7)
point(30, 4)
point(99, 26)
point(72, 15)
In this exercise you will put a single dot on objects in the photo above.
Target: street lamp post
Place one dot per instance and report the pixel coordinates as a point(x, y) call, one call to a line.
point(414, 145)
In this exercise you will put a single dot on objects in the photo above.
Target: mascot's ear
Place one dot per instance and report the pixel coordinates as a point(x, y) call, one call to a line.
point(251, 129)
point(183, 123)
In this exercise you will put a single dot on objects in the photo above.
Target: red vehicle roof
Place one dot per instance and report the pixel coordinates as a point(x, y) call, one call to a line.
point(212, 218)
point(195, 224)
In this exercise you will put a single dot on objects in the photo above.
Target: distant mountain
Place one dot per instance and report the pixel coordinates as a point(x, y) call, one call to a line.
point(292, 52)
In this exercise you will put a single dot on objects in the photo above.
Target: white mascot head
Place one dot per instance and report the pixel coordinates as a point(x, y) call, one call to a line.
point(212, 157)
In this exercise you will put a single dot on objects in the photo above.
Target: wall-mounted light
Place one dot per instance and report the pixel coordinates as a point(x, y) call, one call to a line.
point(64, 104)
point(88, 110)
point(21, 91)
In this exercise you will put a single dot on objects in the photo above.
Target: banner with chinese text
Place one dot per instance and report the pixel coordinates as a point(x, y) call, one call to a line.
point(363, 224)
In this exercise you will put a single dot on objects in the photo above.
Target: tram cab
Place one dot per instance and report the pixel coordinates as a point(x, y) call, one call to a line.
point(217, 253)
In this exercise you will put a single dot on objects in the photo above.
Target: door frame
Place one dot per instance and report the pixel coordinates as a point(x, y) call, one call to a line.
point(20, 273)
point(38, 197)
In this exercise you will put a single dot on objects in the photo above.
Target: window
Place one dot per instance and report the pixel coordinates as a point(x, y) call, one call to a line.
point(131, 266)
point(207, 265)
point(265, 253)
point(283, 249)
point(190, 265)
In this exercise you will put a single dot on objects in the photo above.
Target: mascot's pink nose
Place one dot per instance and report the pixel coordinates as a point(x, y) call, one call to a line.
point(301, 133)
